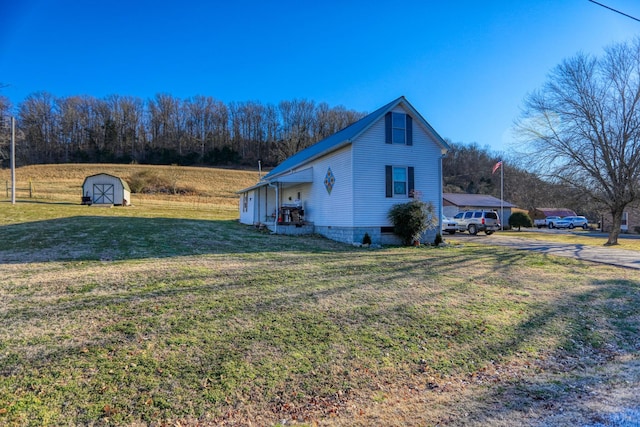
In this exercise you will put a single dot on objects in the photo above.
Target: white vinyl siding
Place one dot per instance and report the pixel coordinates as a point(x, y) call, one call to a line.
point(335, 209)
point(247, 207)
point(371, 155)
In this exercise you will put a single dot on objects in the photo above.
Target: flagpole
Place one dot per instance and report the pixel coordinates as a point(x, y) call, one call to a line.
point(502, 196)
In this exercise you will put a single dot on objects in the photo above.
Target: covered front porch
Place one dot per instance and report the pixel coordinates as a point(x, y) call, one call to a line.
point(279, 204)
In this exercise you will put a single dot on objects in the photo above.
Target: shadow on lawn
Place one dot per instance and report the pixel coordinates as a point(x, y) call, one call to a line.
point(41, 202)
point(591, 374)
point(107, 238)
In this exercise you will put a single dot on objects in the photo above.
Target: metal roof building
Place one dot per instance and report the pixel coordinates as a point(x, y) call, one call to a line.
point(452, 203)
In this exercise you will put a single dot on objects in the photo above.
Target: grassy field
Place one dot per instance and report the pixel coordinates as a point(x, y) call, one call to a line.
point(207, 187)
point(171, 313)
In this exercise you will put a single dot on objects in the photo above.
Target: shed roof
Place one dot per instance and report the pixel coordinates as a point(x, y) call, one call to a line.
point(476, 200)
point(125, 185)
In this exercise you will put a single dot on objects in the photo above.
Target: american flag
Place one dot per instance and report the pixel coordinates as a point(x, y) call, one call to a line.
point(496, 166)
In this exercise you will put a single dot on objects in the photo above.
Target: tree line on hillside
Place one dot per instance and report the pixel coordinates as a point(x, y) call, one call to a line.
point(5, 108)
point(166, 130)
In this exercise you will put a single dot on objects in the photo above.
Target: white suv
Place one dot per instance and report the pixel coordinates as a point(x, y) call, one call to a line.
point(474, 221)
point(572, 222)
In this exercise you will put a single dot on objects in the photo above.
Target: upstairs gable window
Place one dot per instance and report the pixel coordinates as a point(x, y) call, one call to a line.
point(398, 128)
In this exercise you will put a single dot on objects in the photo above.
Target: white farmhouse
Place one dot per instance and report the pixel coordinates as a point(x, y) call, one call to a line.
point(343, 186)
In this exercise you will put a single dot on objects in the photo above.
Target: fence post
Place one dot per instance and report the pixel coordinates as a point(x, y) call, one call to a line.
point(30, 189)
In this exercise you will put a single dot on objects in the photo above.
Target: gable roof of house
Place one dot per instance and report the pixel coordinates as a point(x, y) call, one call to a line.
point(346, 136)
point(475, 200)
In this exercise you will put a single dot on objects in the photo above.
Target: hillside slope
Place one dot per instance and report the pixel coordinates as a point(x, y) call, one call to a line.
point(63, 182)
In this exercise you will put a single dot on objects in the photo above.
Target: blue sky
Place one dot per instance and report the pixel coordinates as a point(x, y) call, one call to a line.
point(465, 65)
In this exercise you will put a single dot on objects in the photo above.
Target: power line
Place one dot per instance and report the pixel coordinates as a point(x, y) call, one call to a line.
point(617, 11)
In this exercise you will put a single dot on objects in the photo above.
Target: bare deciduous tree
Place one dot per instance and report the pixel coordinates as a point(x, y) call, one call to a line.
point(164, 112)
point(297, 126)
point(127, 113)
point(5, 107)
point(39, 123)
point(584, 127)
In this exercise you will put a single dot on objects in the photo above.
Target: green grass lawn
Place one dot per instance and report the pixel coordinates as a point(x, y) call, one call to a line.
point(178, 315)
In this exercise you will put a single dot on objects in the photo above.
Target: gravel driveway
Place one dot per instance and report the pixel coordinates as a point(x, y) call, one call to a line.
point(602, 254)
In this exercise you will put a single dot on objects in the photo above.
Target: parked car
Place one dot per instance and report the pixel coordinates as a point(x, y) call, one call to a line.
point(546, 222)
point(572, 222)
point(448, 225)
point(474, 221)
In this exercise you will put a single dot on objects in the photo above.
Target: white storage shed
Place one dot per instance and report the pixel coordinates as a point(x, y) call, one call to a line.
point(105, 189)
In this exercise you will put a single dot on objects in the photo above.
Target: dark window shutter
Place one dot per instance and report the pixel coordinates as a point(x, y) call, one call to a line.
point(387, 128)
point(409, 130)
point(388, 172)
point(411, 184)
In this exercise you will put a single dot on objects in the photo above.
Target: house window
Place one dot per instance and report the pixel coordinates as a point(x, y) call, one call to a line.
point(399, 181)
point(398, 128)
point(398, 133)
point(245, 202)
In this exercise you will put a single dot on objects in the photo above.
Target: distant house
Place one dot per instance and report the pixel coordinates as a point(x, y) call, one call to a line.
point(343, 186)
point(105, 189)
point(542, 213)
point(630, 220)
point(455, 202)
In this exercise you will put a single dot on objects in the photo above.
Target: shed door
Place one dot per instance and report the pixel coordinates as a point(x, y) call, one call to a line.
point(103, 193)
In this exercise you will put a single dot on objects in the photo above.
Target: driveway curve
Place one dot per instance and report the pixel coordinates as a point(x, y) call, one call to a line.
point(601, 254)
